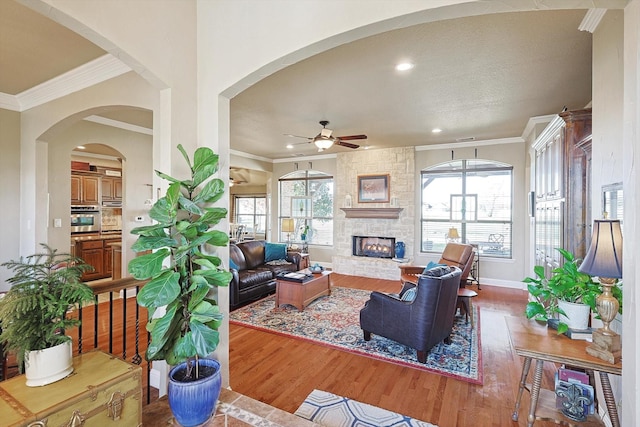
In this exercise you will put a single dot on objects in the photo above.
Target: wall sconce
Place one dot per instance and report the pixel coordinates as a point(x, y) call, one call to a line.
point(288, 227)
point(604, 260)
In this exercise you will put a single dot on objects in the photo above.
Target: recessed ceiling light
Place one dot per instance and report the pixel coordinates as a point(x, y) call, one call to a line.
point(366, 147)
point(404, 66)
point(436, 130)
point(289, 146)
point(81, 147)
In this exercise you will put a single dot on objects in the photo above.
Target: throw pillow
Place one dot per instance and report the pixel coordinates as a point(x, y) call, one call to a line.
point(233, 265)
point(438, 271)
point(273, 251)
point(409, 295)
point(431, 265)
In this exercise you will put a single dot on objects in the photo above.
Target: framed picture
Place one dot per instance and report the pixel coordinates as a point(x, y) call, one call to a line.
point(373, 188)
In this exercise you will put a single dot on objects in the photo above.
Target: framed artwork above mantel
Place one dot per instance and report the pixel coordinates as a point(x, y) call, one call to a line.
point(373, 188)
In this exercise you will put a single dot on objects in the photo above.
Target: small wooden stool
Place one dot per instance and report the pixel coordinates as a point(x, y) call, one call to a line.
point(464, 302)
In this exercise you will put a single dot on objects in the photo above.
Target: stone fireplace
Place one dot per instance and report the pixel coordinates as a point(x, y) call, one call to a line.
point(375, 247)
point(399, 163)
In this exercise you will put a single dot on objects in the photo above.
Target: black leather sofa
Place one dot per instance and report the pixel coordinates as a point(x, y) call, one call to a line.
point(255, 277)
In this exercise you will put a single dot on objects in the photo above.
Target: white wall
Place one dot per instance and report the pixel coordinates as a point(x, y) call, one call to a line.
point(9, 190)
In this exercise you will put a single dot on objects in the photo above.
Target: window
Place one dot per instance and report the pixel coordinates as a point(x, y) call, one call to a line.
point(251, 211)
point(307, 197)
point(475, 198)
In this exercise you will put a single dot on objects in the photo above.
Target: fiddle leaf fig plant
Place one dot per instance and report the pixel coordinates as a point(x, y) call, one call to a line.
point(565, 284)
point(181, 270)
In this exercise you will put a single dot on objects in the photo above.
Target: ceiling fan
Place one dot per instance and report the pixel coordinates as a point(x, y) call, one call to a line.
point(324, 140)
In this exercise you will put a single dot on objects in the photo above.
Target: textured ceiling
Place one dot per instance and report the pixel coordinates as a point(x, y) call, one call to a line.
point(480, 77)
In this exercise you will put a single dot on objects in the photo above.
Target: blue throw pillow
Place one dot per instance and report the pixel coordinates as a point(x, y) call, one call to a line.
point(233, 265)
point(432, 265)
point(274, 251)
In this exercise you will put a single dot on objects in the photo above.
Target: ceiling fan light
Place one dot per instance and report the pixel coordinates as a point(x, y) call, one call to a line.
point(323, 143)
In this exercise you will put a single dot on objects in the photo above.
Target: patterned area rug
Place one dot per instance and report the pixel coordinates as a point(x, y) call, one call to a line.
point(335, 321)
point(330, 410)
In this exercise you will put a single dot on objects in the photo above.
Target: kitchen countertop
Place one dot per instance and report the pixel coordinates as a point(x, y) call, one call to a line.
point(94, 236)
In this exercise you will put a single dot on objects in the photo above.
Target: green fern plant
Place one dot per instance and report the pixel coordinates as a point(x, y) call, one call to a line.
point(180, 270)
point(34, 314)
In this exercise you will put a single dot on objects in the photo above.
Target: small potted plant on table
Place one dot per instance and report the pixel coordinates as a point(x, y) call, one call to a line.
point(182, 273)
point(34, 314)
point(567, 289)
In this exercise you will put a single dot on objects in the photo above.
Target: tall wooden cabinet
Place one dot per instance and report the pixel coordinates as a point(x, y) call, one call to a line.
point(563, 187)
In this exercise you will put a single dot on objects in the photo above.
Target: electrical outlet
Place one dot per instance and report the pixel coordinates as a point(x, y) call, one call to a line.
point(139, 218)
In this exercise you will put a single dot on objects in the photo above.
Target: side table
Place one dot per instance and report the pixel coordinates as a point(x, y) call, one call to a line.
point(535, 341)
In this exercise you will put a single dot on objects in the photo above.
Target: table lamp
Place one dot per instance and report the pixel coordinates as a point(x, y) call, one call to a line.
point(453, 235)
point(287, 227)
point(604, 260)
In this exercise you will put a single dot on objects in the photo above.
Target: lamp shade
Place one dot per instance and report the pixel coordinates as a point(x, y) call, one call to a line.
point(453, 233)
point(604, 257)
point(287, 225)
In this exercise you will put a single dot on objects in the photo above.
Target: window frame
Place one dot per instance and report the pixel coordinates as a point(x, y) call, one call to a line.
point(461, 170)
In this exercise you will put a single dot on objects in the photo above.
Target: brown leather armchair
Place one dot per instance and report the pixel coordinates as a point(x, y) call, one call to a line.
point(421, 323)
point(455, 255)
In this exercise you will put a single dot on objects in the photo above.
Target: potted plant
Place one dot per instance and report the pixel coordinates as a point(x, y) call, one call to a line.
point(34, 313)
point(556, 295)
point(182, 273)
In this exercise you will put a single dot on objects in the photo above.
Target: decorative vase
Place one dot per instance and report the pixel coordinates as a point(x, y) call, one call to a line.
point(42, 367)
point(577, 314)
point(399, 250)
point(194, 402)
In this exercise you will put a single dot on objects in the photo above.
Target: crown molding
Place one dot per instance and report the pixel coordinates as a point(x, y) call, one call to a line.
point(119, 124)
point(97, 71)
point(470, 144)
point(591, 20)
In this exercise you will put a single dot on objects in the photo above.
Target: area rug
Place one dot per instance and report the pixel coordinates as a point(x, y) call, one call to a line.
point(334, 321)
point(330, 410)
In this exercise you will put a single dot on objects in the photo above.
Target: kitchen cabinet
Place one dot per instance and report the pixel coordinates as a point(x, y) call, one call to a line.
point(85, 189)
point(92, 253)
point(109, 260)
point(111, 189)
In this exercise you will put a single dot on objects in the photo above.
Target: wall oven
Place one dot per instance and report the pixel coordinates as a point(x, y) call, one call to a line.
point(85, 219)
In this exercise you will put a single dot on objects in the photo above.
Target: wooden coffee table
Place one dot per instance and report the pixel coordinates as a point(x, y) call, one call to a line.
point(302, 294)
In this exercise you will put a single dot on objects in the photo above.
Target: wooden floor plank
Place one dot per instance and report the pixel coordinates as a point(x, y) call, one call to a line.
point(287, 370)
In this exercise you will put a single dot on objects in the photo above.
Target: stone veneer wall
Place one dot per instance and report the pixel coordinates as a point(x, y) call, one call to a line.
point(399, 163)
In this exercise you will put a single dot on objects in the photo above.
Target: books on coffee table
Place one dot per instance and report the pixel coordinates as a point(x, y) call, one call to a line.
point(295, 276)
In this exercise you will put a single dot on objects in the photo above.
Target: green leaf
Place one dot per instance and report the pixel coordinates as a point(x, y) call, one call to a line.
point(148, 265)
point(205, 312)
point(163, 329)
point(150, 230)
point(535, 309)
point(166, 177)
point(200, 290)
point(160, 291)
point(215, 277)
point(189, 206)
point(211, 192)
point(213, 215)
point(163, 212)
point(205, 164)
point(204, 339)
point(145, 243)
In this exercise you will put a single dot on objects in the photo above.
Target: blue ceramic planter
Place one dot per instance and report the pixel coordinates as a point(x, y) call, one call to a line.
point(193, 403)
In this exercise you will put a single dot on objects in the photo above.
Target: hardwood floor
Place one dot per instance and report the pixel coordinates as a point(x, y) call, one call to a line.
point(282, 371)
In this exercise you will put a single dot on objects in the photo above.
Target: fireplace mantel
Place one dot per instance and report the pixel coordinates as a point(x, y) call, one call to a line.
point(382, 213)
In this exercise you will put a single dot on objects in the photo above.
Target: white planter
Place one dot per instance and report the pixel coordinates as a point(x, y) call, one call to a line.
point(577, 314)
point(46, 366)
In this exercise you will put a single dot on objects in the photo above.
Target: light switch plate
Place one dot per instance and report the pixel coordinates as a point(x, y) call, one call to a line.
point(57, 222)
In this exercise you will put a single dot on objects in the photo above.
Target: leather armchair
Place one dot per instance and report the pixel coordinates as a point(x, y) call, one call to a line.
point(421, 323)
point(455, 255)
